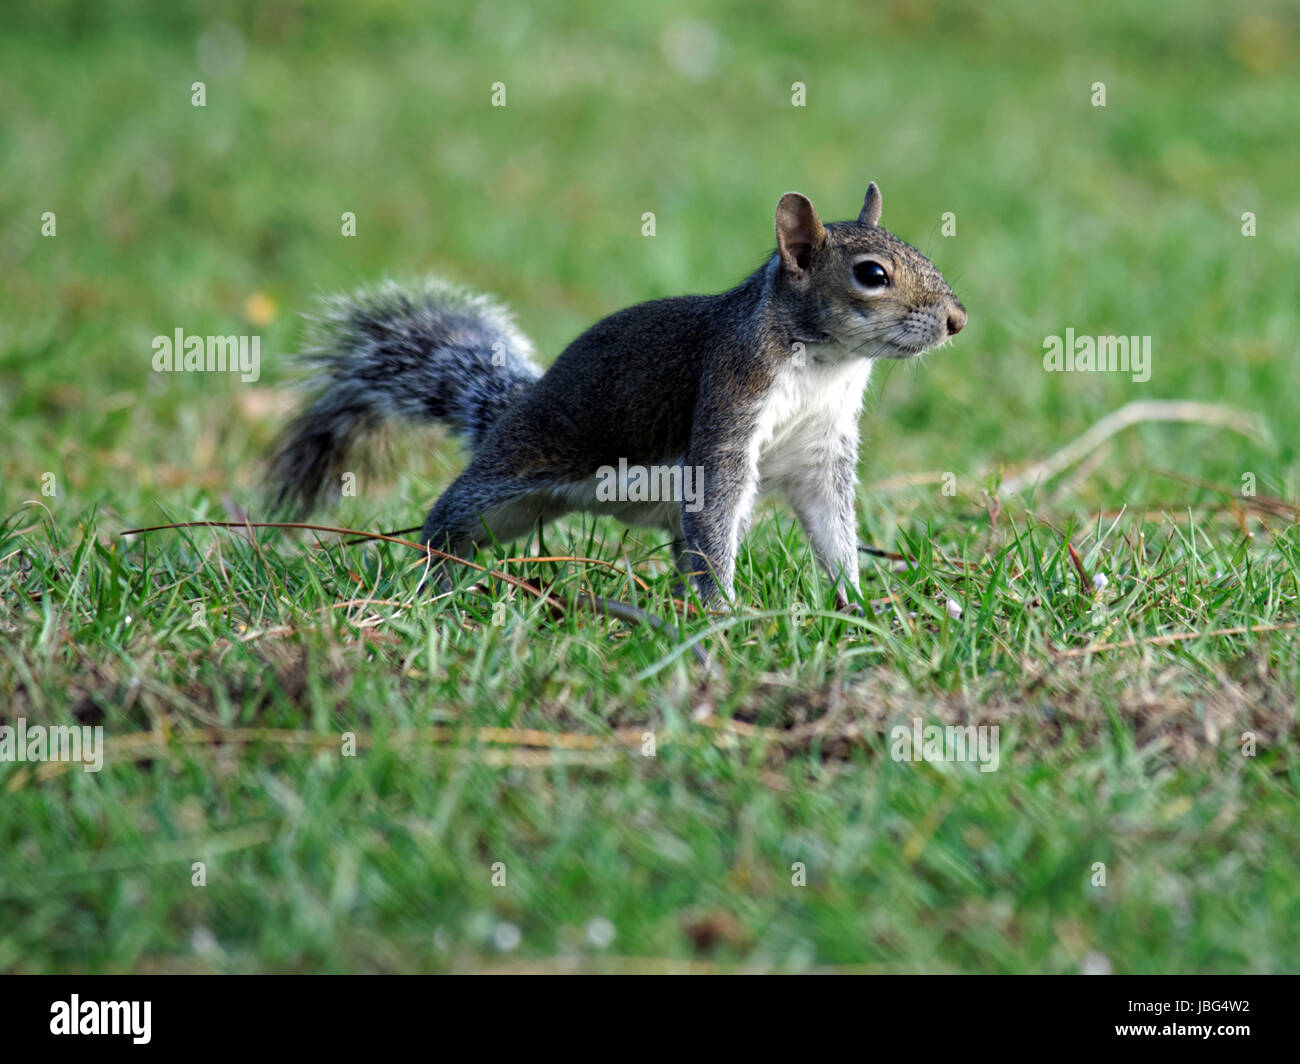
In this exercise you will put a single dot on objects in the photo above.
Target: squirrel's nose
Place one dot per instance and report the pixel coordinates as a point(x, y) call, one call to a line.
point(956, 319)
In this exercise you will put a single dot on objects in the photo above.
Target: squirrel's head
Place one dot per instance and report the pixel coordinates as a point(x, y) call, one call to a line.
point(859, 286)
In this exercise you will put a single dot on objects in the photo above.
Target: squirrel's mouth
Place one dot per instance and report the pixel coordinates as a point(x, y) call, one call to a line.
point(902, 349)
point(897, 340)
point(905, 350)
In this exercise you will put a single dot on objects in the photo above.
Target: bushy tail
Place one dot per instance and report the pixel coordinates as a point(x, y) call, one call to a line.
point(425, 352)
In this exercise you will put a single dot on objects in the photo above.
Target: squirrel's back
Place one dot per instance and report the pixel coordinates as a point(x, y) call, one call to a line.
point(627, 388)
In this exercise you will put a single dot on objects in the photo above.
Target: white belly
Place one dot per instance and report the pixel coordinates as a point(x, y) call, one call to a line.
point(810, 409)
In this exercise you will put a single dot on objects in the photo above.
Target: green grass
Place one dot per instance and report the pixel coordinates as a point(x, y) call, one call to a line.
point(248, 661)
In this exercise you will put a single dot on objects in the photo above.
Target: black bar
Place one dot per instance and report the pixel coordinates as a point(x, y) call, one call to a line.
point(342, 1013)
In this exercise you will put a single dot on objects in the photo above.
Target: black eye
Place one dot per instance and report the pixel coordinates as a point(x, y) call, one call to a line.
point(871, 275)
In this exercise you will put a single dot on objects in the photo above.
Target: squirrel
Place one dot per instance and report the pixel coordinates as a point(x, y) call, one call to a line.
point(757, 388)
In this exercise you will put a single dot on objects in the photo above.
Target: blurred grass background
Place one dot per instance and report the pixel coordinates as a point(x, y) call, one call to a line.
point(226, 220)
point(1116, 220)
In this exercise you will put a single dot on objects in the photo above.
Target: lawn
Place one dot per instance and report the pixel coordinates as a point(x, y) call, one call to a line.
point(309, 767)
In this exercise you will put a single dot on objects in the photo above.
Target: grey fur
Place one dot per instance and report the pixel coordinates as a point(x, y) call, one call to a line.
point(717, 382)
point(422, 352)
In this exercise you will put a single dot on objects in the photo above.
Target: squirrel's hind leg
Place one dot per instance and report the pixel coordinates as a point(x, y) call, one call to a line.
point(475, 513)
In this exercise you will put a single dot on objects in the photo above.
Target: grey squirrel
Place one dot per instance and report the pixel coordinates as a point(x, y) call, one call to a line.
point(756, 388)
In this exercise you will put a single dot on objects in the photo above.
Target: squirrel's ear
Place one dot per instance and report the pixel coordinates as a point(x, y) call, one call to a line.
point(799, 232)
point(871, 207)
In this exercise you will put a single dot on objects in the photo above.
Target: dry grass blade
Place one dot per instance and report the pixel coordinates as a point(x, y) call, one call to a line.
point(1182, 410)
point(525, 747)
point(1177, 637)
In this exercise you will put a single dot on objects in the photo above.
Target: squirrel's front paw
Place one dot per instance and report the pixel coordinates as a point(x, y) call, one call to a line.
point(845, 604)
point(714, 596)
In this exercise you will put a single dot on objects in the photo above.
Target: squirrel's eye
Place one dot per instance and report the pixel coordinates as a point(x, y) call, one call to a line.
point(871, 275)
